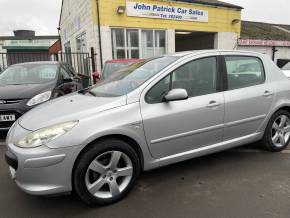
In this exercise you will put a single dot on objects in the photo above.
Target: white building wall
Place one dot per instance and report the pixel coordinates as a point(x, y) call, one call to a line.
point(225, 40)
point(170, 41)
point(77, 18)
point(282, 52)
point(106, 43)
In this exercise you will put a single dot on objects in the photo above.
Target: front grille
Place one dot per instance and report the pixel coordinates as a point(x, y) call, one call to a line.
point(10, 101)
point(4, 125)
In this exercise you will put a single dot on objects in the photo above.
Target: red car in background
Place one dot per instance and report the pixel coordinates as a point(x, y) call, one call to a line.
point(112, 66)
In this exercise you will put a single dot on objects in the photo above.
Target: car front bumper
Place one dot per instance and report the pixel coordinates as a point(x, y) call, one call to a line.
point(41, 170)
point(17, 109)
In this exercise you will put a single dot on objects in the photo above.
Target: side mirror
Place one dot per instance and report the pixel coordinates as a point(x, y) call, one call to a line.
point(176, 95)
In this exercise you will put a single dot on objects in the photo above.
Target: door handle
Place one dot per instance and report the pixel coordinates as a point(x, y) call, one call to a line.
point(267, 93)
point(212, 104)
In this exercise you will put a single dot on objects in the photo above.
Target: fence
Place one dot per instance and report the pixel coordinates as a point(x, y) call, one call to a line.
point(83, 63)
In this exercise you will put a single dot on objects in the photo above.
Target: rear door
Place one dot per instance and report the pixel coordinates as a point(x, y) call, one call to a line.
point(248, 97)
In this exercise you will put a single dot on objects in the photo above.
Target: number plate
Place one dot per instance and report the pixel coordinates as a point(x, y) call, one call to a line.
point(7, 118)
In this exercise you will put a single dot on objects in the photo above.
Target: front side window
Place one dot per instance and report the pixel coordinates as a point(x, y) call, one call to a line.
point(244, 71)
point(197, 77)
point(28, 74)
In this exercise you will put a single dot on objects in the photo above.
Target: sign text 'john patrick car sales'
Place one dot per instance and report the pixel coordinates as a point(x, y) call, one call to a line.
point(136, 9)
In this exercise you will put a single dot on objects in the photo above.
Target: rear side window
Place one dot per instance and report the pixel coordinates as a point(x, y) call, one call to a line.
point(244, 71)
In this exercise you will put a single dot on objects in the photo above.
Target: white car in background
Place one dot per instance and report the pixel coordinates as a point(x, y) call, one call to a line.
point(286, 70)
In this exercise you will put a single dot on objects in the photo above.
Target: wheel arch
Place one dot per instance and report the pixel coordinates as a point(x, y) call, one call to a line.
point(275, 110)
point(132, 142)
point(285, 107)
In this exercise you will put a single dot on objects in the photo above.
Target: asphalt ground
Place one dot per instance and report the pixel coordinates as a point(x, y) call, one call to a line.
point(239, 183)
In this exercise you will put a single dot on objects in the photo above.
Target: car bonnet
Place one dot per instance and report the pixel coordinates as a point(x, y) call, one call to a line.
point(68, 108)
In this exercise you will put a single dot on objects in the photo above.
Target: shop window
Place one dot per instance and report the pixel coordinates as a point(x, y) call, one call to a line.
point(119, 47)
point(81, 43)
point(147, 43)
point(82, 62)
point(125, 43)
point(132, 44)
point(160, 42)
point(67, 49)
point(137, 43)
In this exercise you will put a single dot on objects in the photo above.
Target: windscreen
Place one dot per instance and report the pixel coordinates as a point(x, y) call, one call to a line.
point(111, 68)
point(131, 77)
point(28, 74)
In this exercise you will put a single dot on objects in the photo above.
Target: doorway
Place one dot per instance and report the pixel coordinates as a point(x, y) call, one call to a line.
point(186, 41)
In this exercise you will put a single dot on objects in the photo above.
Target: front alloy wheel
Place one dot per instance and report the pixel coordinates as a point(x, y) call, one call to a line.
point(105, 172)
point(109, 174)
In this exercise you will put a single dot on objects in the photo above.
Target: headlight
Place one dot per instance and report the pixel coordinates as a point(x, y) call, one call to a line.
point(45, 135)
point(45, 96)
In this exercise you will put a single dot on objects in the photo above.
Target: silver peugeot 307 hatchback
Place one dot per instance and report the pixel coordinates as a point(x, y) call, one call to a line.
point(153, 113)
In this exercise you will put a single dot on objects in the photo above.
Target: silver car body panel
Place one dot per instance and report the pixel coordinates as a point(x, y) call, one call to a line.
point(164, 133)
point(286, 73)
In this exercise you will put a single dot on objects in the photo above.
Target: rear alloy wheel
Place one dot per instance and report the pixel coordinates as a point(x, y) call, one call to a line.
point(277, 135)
point(281, 131)
point(106, 172)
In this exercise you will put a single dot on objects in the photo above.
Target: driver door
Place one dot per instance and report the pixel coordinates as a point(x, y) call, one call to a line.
point(179, 126)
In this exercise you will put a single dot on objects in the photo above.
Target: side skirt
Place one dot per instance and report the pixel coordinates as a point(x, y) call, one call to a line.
point(204, 151)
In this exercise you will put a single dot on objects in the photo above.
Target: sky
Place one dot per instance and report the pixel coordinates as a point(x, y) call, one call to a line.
point(39, 15)
point(43, 15)
point(271, 11)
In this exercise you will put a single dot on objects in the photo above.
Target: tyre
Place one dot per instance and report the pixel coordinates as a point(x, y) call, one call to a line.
point(106, 172)
point(277, 133)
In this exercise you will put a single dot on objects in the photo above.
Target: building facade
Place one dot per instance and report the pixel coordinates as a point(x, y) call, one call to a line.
point(266, 38)
point(125, 29)
point(24, 46)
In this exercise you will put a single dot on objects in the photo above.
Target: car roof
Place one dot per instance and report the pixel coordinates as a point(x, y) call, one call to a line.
point(123, 60)
point(39, 62)
point(197, 52)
